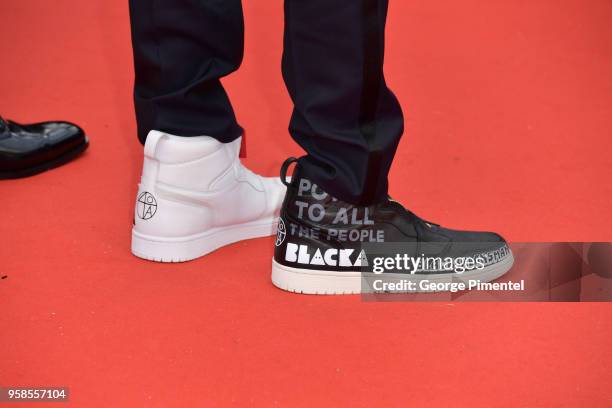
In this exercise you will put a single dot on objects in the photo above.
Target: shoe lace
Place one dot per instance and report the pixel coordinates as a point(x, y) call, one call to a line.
point(412, 215)
point(4, 128)
point(8, 127)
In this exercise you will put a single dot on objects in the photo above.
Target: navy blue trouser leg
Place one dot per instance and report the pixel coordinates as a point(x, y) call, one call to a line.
point(345, 117)
point(181, 50)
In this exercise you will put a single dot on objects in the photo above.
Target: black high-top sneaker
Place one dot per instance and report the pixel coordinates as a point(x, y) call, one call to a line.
point(326, 246)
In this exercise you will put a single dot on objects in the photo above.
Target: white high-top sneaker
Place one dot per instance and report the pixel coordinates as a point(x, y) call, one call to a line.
point(195, 196)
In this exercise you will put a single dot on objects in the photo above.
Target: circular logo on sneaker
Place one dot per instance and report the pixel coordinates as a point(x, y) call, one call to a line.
point(281, 232)
point(147, 205)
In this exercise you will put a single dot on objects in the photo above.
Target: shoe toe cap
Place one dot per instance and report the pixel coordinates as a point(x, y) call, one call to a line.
point(60, 132)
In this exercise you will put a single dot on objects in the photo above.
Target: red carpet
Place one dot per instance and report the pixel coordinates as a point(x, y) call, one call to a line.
point(514, 97)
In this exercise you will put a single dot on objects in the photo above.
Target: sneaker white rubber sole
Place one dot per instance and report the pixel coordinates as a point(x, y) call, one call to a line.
point(313, 282)
point(182, 249)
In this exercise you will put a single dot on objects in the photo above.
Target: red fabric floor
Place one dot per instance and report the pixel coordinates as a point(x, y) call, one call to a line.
point(509, 118)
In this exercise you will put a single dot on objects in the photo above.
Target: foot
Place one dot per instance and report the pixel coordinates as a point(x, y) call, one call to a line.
point(196, 196)
point(26, 150)
point(323, 245)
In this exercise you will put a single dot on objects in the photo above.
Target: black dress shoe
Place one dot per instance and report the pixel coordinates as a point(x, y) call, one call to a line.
point(29, 149)
point(326, 246)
